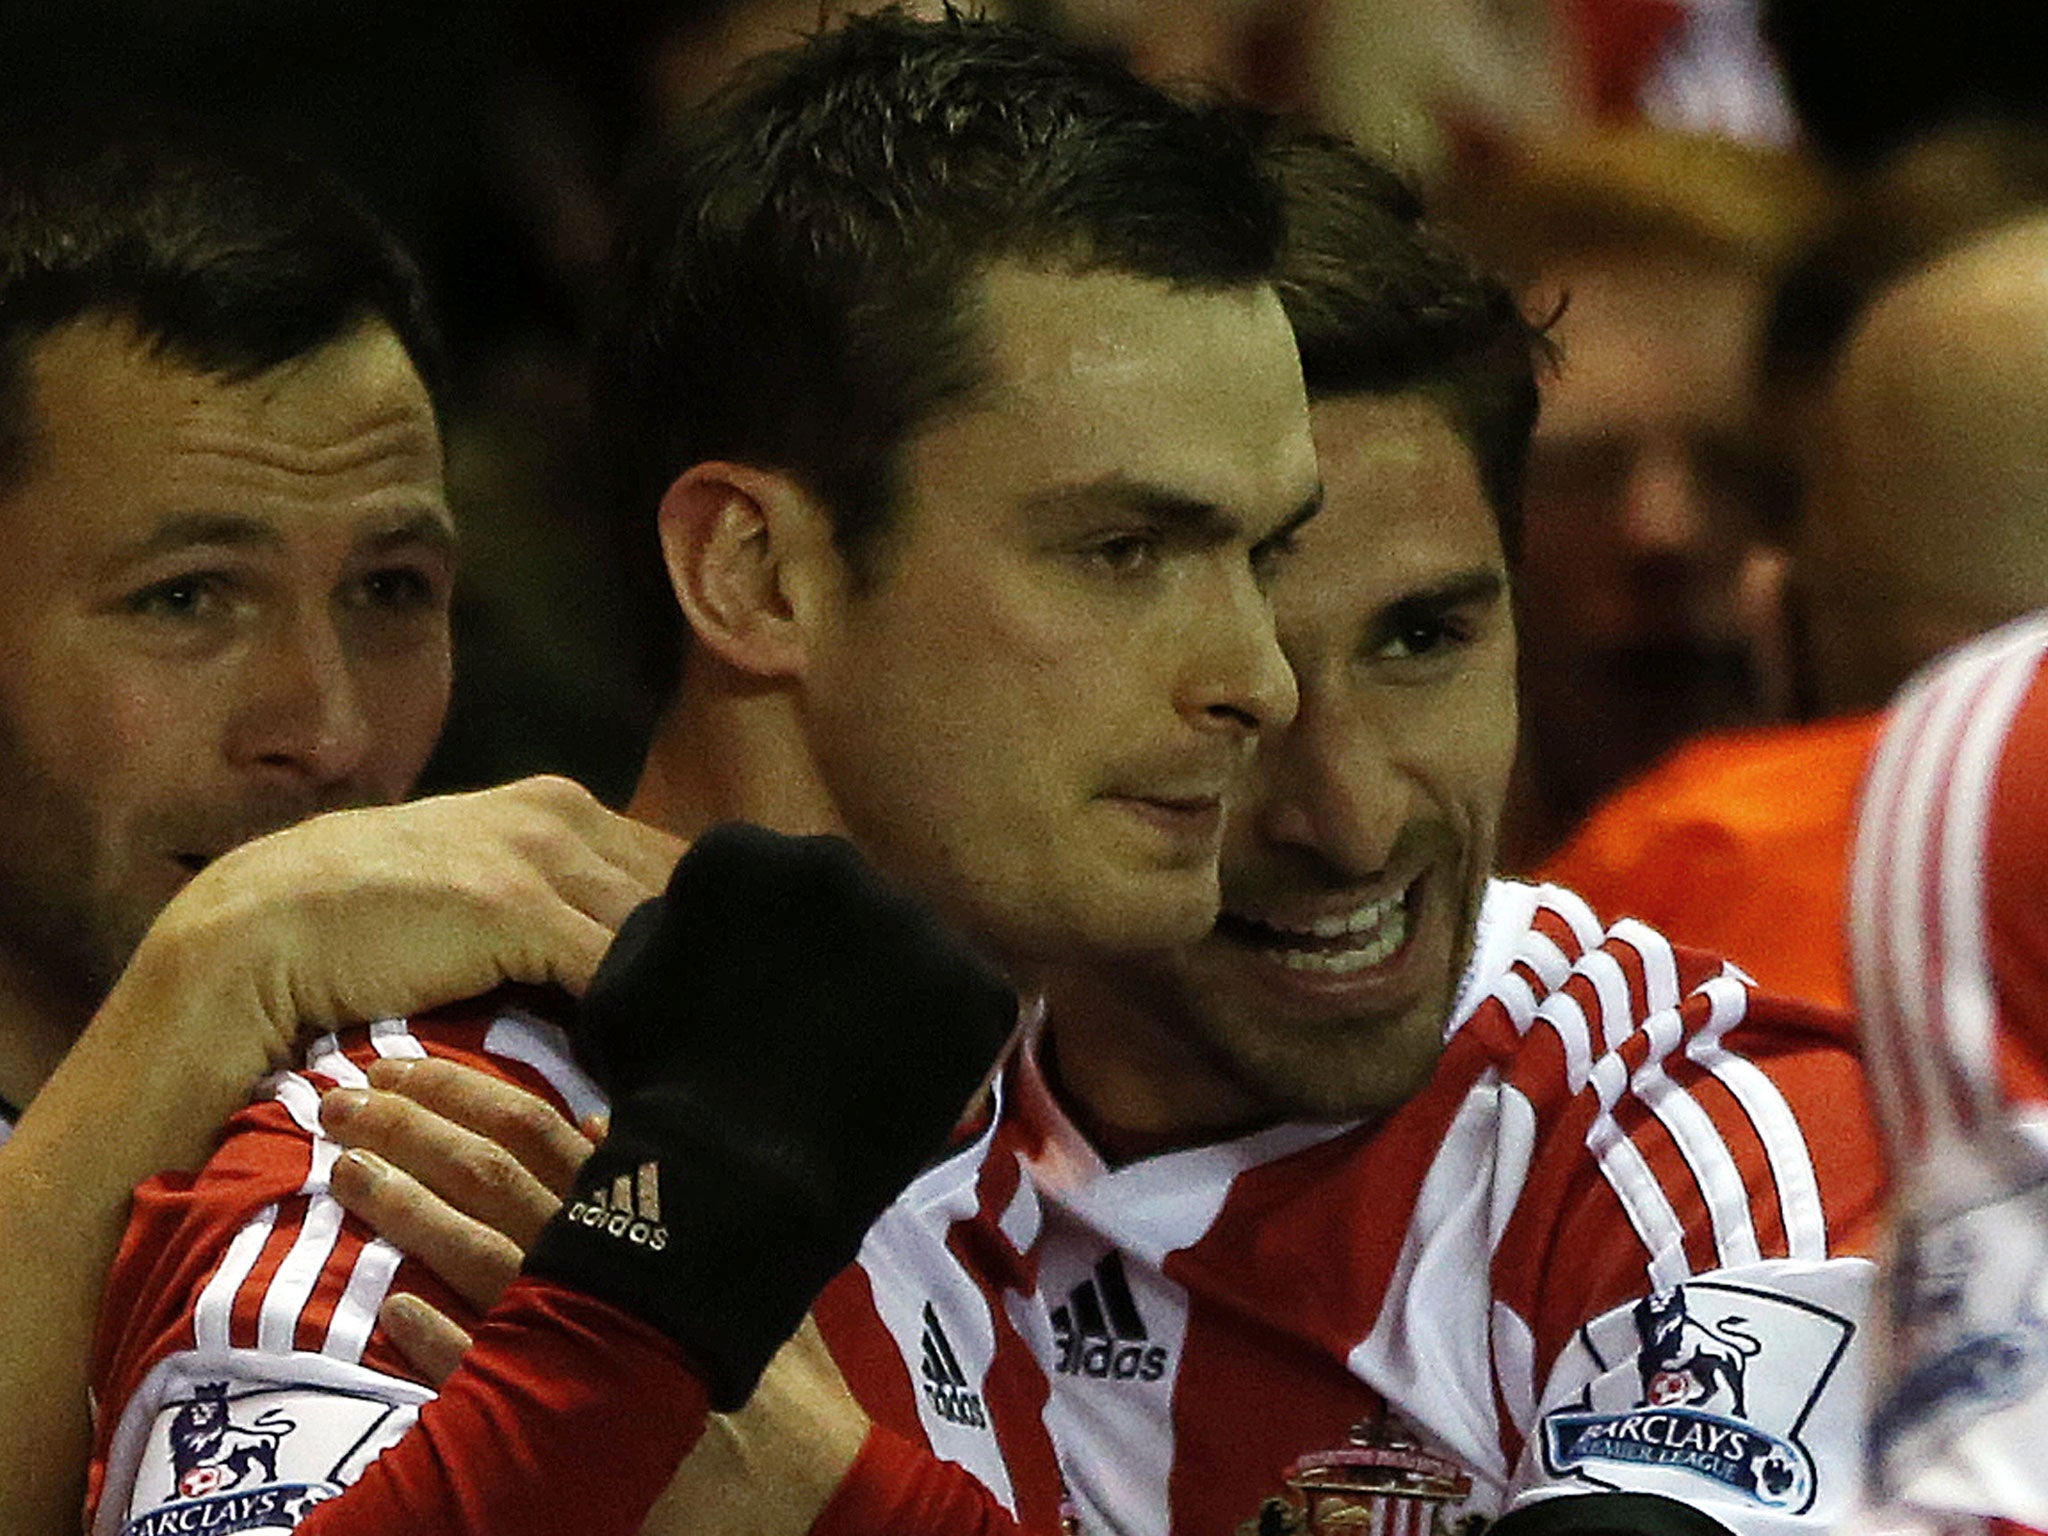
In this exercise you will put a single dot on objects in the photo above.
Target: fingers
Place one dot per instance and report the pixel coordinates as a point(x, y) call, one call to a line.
point(521, 1123)
point(474, 1261)
point(473, 1174)
point(430, 1342)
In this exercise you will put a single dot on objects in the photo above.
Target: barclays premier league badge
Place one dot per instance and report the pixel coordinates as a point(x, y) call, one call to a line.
point(221, 1462)
point(1713, 1389)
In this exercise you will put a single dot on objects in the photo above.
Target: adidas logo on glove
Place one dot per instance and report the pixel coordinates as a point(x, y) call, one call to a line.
point(630, 1209)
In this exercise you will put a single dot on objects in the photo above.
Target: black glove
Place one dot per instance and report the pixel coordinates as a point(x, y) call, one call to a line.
point(786, 1041)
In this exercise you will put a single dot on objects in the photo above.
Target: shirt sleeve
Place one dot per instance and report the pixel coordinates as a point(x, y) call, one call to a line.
point(1682, 1292)
point(241, 1382)
point(1949, 943)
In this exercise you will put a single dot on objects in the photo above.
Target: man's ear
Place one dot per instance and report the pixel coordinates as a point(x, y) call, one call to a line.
point(751, 559)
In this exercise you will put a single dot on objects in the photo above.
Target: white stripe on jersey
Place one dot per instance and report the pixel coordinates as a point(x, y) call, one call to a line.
point(324, 1057)
point(1870, 914)
point(355, 1314)
point(394, 1038)
point(1628, 1174)
point(1763, 1101)
point(1909, 930)
point(1968, 1010)
point(545, 1048)
point(1939, 755)
point(1700, 1141)
point(214, 1309)
point(910, 1271)
point(1427, 1348)
point(1567, 1020)
point(292, 1286)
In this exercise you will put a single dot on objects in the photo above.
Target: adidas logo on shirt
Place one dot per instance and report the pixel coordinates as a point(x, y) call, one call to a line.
point(630, 1209)
point(945, 1384)
point(1099, 1332)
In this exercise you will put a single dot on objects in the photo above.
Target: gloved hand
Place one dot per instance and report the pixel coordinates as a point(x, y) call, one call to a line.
point(786, 1040)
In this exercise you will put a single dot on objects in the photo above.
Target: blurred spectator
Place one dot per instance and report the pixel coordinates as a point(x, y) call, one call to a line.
point(1649, 491)
point(1697, 66)
point(1923, 527)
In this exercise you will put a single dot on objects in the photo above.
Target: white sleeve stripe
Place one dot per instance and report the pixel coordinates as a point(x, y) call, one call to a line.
point(1968, 1011)
point(1540, 953)
point(1610, 986)
point(1628, 1174)
point(214, 1309)
point(1869, 917)
point(300, 1099)
point(1927, 772)
point(324, 1056)
point(1699, 1142)
point(1567, 1020)
point(393, 1038)
point(1784, 1143)
point(1660, 965)
point(1577, 916)
point(348, 1332)
point(292, 1286)
point(1518, 999)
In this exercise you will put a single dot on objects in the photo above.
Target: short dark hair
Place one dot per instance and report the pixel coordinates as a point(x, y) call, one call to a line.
point(227, 258)
point(1382, 303)
point(797, 277)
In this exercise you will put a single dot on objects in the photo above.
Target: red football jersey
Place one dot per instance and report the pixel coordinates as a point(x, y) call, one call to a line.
point(1618, 1243)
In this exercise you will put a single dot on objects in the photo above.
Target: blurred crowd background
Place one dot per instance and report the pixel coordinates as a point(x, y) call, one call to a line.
point(1706, 194)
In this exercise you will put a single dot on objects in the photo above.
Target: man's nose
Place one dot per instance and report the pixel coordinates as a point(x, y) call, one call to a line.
point(303, 712)
point(1236, 678)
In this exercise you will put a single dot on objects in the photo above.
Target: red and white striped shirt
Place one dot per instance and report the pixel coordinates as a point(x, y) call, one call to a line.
point(1616, 1243)
point(1949, 944)
point(241, 1384)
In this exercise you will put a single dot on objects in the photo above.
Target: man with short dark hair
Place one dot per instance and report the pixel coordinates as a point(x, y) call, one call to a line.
point(220, 491)
point(977, 430)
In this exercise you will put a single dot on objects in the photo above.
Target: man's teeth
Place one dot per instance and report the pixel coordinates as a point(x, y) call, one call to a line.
point(1379, 929)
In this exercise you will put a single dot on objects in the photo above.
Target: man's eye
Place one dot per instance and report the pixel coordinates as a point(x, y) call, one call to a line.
point(1414, 637)
point(183, 597)
point(1125, 554)
point(400, 589)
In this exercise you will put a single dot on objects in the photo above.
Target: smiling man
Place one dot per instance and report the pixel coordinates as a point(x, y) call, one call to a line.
point(1406, 1195)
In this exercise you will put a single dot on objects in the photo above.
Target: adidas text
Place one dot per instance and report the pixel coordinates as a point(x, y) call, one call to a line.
point(1106, 1360)
point(642, 1234)
point(630, 1209)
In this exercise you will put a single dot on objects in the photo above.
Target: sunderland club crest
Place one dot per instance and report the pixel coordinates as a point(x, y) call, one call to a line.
point(1380, 1482)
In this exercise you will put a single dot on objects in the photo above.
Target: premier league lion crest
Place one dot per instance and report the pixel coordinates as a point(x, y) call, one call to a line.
point(227, 1459)
point(210, 1453)
point(1705, 1382)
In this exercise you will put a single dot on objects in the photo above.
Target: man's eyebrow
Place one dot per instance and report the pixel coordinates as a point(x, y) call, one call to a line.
point(187, 529)
point(1189, 515)
point(1482, 584)
point(434, 529)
